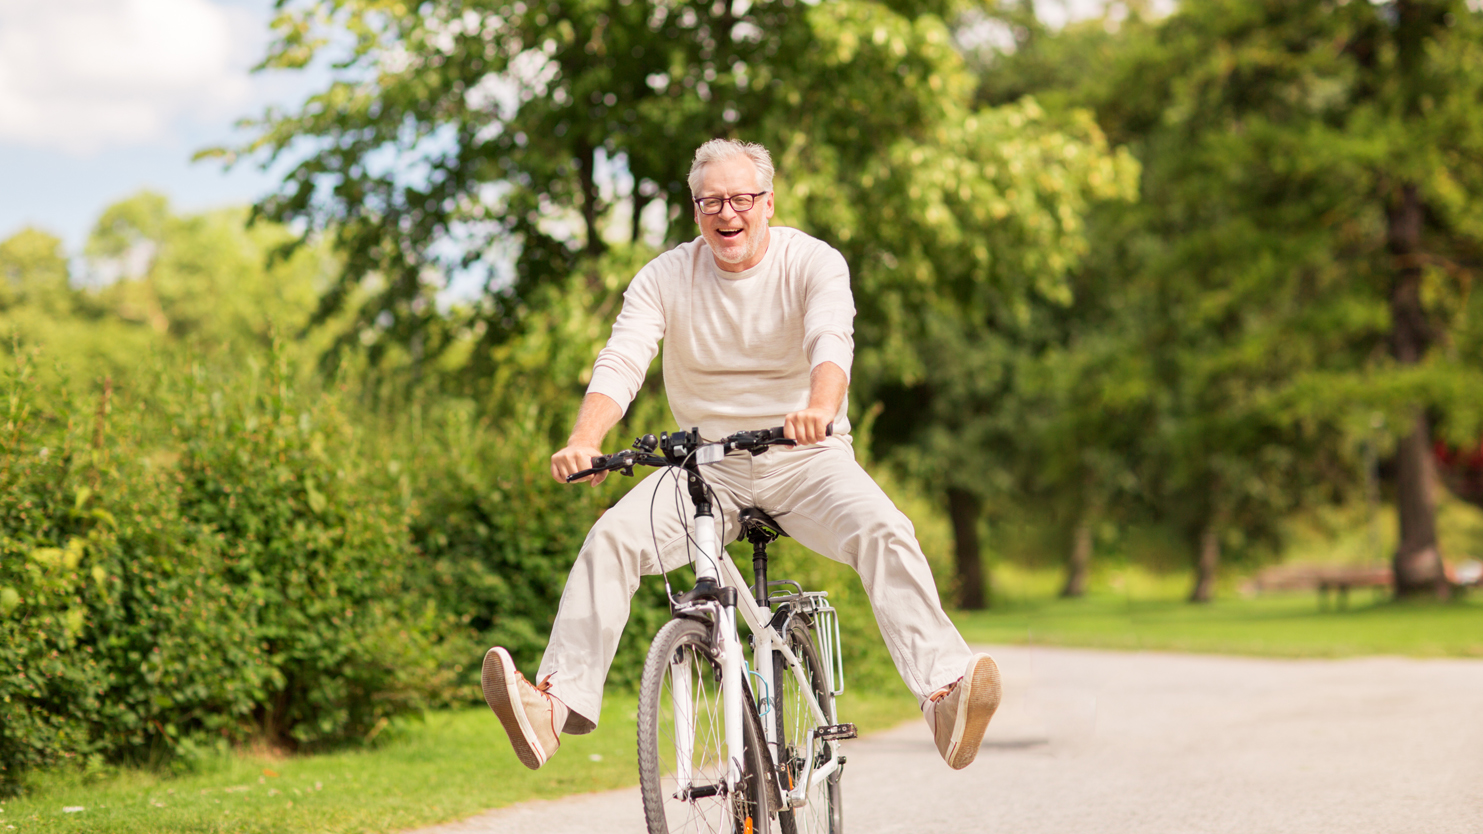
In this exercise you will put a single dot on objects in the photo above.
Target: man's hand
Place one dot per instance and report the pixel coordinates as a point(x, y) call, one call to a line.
point(595, 419)
point(827, 385)
point(574, 459)
point(808, 426)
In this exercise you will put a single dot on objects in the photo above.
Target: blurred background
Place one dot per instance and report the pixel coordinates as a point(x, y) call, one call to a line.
point(1157, 302)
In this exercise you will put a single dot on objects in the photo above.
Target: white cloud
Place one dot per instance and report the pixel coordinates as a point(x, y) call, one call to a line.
point(84, 75)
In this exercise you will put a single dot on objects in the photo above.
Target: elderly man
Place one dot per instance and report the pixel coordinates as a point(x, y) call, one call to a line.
point(757, 327)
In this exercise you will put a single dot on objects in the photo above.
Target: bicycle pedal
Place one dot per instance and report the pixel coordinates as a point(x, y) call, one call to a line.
point(836, 732)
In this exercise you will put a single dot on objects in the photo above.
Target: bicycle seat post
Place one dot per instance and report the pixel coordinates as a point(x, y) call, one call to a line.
point(759, 567)
point(761, 530)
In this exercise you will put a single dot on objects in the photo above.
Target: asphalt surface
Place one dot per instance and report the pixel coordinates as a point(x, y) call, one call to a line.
point(1144, 743)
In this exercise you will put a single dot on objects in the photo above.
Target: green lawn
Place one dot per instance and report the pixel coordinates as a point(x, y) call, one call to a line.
point(449, 766)
point(1289, 625)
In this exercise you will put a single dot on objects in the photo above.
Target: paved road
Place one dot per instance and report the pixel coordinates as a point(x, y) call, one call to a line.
point(1092, 742)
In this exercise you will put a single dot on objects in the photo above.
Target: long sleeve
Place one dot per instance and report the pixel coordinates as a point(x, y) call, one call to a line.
point(828, 322)
point(624, 362)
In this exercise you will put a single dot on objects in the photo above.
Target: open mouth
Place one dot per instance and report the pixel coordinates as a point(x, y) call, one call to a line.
point(728, 233)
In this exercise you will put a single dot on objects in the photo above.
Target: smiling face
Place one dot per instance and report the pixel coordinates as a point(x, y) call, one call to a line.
point(737, 239)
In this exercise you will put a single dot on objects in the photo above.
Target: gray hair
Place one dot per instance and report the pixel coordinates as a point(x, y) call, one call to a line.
point(720, 150)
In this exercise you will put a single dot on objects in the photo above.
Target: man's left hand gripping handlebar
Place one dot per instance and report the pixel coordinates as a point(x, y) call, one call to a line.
point(809, 426)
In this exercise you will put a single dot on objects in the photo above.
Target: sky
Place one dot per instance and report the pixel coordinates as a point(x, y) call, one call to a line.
point(100, 99)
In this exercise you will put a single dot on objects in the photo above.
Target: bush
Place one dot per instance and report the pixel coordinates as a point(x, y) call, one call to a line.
point(116, 637)
point(203, 560)
point(497, 537)
point(316, 550)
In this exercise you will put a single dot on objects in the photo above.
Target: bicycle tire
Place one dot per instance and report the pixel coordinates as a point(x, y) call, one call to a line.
point(824, 812)
point(660, 780)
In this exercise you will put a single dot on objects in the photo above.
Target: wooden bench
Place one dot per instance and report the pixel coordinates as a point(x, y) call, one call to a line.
point(1340, 580)
point(1325, 579)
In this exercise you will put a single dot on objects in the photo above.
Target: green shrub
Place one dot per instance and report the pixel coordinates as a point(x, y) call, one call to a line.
point(116, 638)
point(201, 559)
point(497, 536)
point(316, 550)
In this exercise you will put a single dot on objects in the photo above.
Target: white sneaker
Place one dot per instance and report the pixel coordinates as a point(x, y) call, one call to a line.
point(960, 712)
point(532, 718)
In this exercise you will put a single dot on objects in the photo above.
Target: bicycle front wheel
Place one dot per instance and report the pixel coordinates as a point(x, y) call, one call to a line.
point(822, 814)
point(682, 742)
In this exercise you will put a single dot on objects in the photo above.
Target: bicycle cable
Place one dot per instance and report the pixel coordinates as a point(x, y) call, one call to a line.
point(669, 471)
point(691, 545)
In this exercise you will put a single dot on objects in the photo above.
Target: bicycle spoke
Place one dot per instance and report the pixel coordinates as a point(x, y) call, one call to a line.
point(682, 742)
point(821, 813)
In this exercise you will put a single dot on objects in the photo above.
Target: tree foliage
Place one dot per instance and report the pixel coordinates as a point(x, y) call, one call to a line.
point(509, 140)
point(1281, 143)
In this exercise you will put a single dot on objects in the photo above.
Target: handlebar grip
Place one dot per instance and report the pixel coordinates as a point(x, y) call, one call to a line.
point(775, 434)
point(599, 464)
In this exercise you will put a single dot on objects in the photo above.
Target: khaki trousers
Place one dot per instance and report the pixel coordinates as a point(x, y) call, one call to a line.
point(820, 496)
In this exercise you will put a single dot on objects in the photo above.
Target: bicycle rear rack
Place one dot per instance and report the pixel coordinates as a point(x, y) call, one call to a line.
point(825, 627)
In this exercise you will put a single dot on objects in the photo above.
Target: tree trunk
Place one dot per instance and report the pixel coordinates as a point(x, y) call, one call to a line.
point(640, 203)
point(1207, 565)
point(1417, 563)
point(963, 508)
point(587, 172)
point(1080, 562)
point(1418, 560)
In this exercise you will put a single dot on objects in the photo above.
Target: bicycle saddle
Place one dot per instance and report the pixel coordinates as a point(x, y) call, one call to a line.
point(753, 518)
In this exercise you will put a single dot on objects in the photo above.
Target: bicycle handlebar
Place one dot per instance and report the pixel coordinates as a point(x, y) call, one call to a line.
point(679, 447)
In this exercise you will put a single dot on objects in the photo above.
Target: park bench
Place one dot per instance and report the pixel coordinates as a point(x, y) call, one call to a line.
point(1325, 579)
point(1339, 579)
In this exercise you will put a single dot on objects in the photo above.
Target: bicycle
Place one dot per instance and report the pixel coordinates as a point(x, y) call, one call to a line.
point(707, 760)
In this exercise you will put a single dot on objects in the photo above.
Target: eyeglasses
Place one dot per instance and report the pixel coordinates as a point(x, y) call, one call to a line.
point(739, 202)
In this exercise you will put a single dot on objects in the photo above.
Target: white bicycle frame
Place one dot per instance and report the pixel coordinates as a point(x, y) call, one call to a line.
point(709, 565)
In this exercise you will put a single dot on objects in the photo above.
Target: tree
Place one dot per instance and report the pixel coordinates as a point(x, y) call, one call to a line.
point(34, 273)
point(475, 125)
point(462, 133)
point(1273, 265)
point(202, 277)
point(971, 240)
point(1348, 129)
point(41, 310)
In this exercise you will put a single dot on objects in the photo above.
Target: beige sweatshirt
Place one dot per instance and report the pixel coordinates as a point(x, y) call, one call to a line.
point(738, 346)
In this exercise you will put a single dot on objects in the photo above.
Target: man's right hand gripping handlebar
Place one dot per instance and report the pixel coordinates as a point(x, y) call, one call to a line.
point(574, 459)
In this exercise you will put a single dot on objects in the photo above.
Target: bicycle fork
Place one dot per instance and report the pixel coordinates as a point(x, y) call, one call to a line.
point(708, 568)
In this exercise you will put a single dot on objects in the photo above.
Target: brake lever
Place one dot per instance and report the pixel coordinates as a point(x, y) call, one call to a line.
point(620, 462)
point(603, 463)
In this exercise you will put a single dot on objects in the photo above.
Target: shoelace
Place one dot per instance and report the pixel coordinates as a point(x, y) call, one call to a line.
point(943, 692)
point(545, 689)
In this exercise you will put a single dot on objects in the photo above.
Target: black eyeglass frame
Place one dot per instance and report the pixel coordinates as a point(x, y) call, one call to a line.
point(724, 200)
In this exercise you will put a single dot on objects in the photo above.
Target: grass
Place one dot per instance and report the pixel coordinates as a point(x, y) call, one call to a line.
point(1139, 611)
point(448, 766)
